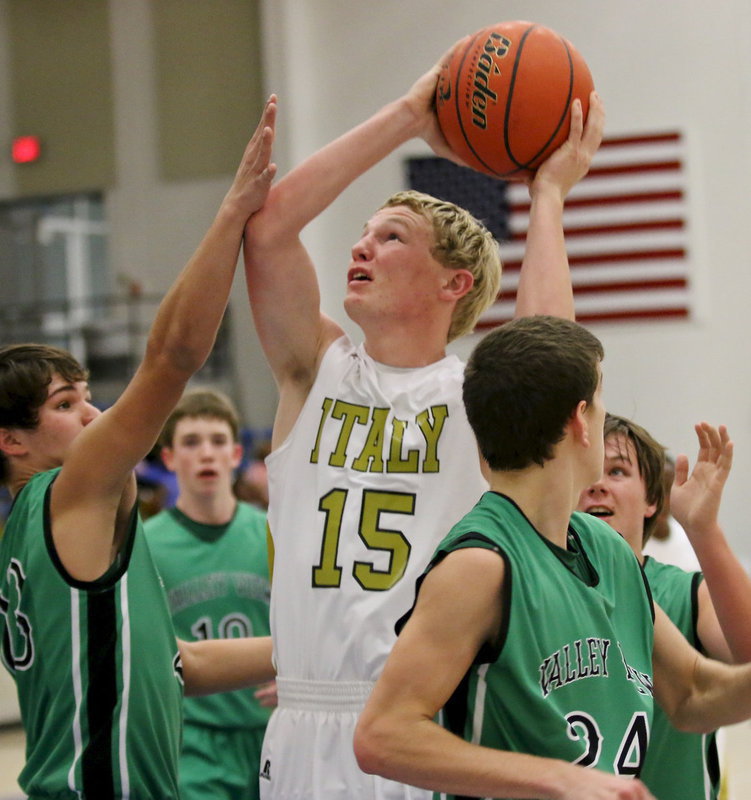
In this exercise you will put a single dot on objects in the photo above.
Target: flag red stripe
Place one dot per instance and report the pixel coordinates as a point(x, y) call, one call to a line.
point(636, 314)
point(646, 138)
point(632, 286)
point(600, 258)
point(608, 200)
point(608, 316)
point(624, 227)
point(618, 286)
point(673, 165)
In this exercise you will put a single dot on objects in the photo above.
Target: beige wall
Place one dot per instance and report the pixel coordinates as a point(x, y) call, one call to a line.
point(61, 90)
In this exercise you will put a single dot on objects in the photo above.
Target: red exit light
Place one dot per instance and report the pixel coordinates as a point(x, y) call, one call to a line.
point(26, 149)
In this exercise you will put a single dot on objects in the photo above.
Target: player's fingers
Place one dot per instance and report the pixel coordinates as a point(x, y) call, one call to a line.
point(268, 117)
point(701, 435)
point(726, 449)
point(577, 121)
point(595, 125)
point(681, 470)
point(714, 443)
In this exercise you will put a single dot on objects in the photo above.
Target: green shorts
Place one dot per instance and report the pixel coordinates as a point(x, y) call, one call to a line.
point(219, 763)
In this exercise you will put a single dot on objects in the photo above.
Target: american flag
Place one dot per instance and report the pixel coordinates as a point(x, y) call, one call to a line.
point(626, 228)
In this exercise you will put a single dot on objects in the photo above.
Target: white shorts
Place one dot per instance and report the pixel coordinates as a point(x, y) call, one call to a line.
point(307, 751)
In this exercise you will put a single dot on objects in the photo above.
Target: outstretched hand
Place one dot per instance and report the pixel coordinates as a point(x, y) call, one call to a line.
point(571, 161)
point(695, 498)
point(253, 178)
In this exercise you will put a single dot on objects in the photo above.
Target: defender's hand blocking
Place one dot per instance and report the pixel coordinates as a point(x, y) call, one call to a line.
point(695, 499)
point(571, 161)
point(255, 173)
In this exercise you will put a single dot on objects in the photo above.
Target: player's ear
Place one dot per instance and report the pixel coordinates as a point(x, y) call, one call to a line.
point(458, 283)
point(168, 458)
point(237, 455)
point(579, 424)
point(10, 443)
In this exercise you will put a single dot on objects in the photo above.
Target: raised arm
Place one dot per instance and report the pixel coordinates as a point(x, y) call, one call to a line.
point(282, 285)
point(724, 622)
point(544, 281)
point(95, 488)
point(458, 609)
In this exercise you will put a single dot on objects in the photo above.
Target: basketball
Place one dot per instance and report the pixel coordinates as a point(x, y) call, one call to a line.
point(503, 97)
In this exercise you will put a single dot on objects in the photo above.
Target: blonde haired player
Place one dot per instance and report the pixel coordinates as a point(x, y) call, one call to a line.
point(372, 455)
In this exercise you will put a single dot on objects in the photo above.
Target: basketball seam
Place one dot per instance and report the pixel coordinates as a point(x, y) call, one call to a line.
point(509, 100)
point(530, 163)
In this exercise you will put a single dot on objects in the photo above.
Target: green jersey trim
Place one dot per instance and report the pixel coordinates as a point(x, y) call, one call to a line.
point(115, 571)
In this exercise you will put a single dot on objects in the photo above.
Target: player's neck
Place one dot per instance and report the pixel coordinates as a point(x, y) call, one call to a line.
point(405, 348)
point(20, 472)
point(546, 495)
point(214, 509)
point(635, 540)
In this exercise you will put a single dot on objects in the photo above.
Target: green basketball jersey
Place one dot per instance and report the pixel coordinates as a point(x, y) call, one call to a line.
point(217, 582)
point(570, 677)
point(679, 766)
point(95, 664)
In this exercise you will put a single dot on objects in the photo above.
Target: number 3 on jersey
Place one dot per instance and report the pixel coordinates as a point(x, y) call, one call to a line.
point(18, 641)
point(328, 572)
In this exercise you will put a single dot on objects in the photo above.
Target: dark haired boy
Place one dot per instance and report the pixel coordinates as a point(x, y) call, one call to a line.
point(85, 629)
point(712, 614)
point(533, 631)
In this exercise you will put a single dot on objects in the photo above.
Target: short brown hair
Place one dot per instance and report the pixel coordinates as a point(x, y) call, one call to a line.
point(650, 460)
point(201, 403)
point(523, 382)
point(26, 371)
point(461, 242)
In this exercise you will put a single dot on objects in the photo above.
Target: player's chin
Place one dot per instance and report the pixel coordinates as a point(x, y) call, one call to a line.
point(354, 303)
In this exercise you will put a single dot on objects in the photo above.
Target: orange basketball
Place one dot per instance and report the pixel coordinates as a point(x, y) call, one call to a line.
point(504, 97)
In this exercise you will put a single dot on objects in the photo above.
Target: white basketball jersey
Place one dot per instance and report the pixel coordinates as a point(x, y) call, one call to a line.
point(379, 465)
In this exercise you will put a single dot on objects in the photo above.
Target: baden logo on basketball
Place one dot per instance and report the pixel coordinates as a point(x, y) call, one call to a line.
point(496, 47)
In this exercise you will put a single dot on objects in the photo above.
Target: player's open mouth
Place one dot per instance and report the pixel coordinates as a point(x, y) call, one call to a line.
point(207, 473)
point(600, 511)
point(358, 275)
